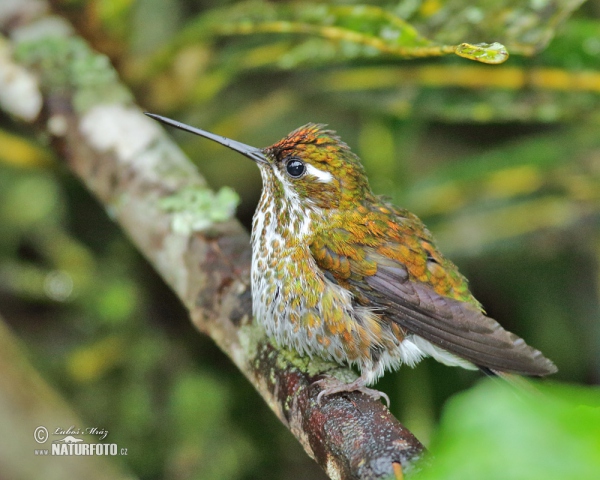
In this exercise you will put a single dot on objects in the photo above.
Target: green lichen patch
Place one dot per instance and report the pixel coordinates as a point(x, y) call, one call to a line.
point(251, 337)
point(314, 366)
point(67, 66)
point(196, 208)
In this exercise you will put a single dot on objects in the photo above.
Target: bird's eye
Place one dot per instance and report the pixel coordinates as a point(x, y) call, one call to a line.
point(295, 168)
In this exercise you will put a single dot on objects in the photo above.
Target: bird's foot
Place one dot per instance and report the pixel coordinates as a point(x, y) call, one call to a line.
point(331, 385)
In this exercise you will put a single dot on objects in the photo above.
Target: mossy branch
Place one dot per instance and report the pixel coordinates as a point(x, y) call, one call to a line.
point(138, 174)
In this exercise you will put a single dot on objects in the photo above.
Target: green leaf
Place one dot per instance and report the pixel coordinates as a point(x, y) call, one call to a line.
point(483, 52)
point(525, 27)
point(344, 33)
point(497, 432)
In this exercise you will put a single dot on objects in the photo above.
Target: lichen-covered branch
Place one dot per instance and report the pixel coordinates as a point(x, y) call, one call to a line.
point(146, 185)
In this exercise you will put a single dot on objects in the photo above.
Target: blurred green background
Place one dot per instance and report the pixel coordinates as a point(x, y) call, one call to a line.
point(502, 162)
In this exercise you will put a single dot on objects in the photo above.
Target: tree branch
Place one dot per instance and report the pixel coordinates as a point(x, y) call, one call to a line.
point(126, 160)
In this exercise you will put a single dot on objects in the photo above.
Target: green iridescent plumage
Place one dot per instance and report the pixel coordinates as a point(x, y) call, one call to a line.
point(339, 273)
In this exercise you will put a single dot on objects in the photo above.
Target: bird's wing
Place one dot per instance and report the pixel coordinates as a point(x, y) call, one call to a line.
point(378, 276)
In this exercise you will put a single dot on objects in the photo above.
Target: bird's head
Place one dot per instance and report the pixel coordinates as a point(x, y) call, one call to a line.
point(311, 165)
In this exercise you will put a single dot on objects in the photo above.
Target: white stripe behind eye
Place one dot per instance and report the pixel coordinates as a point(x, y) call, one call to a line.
point(322, 176)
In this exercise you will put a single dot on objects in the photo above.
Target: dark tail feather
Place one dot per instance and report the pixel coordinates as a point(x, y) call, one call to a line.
point(519, 384)
point(488, 372)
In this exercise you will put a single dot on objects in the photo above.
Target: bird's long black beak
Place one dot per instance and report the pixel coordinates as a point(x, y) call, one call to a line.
point(252, 153)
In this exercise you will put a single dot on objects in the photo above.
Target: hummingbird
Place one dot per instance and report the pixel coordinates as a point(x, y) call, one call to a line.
point(342, 274)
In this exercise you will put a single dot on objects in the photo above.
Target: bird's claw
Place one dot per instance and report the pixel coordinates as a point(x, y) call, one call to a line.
point(331, 385)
